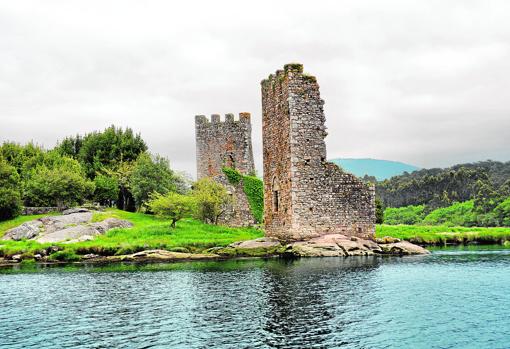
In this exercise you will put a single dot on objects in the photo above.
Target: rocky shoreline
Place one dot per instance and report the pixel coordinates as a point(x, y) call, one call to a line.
point(333, 245)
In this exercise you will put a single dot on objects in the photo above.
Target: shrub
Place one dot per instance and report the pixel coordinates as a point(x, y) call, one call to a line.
point(458, 214)
point(57, 187)
point(212, 200)
point(404, 215)
point(172, 206)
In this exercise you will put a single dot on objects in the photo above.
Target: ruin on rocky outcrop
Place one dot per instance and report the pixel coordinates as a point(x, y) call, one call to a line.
point(226, 144)
point(304, 195)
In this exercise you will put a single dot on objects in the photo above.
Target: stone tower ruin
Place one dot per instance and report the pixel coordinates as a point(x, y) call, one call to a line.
point(226, 144)
point(304, 195)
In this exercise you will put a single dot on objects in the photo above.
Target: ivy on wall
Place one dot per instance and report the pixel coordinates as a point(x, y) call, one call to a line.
point(253, 188)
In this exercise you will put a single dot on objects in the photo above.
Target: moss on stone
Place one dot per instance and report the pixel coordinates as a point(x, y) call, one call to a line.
point(309, 78)
point(294, 67)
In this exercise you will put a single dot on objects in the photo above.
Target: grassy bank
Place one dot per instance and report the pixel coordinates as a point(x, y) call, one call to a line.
point(148, 232)
point(440, 235)
point(192, 236)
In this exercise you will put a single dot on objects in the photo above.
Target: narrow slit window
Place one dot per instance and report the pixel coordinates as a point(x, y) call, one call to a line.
point(276, 201)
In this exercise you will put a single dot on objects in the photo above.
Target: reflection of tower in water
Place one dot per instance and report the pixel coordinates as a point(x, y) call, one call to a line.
point(310, 302)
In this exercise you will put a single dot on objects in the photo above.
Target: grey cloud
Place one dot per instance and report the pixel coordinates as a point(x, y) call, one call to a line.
point(420, 82)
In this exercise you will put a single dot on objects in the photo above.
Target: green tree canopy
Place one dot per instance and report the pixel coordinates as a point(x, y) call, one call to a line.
point(106, 149)
point(62, 184)
point(151, 174)
point(10, 195)
point(106, 189)
point(172, 206)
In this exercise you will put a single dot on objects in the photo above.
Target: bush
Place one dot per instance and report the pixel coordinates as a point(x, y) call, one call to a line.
point(10, 203)
point(212, 200)
point(458, 214)
point(404, 215)
point(57, 187)
point(172, 206)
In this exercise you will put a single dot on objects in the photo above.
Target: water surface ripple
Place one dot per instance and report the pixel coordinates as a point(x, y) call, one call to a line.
point(451, 299)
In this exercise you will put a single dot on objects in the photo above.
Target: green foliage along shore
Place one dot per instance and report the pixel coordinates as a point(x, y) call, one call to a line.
point(465, 214)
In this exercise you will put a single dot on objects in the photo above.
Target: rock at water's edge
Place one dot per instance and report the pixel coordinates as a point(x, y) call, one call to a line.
point(331, 245)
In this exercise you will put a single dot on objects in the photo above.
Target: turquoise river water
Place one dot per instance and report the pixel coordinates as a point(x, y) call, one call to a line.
point(454, 298)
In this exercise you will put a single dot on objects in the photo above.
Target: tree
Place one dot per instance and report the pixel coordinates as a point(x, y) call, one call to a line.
point(172, 206)
point(106, 189)
point(10, 196)
point(502, 213)
point(212, 200)
point(151, 174)
point(122, 174)
point(485, 197)
point(379, 211)
point(58, 186)
point(107, 149)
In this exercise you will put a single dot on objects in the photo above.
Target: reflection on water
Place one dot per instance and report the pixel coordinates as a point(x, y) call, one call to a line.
point(451, 299)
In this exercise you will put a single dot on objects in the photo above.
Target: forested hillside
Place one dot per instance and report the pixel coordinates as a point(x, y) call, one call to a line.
point(441, 187)
point(468, 195)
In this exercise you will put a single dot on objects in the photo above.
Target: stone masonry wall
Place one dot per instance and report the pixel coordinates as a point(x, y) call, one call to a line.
point(304, 195)
point(226, 144)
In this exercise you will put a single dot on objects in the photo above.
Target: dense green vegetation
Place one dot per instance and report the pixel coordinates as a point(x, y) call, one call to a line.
point(10, 195)
point(437, 235)
point(464, 214)
point(404, 215)
point(253, 188)
point(485, 181)
point(467, 195)
point(110, 168)
point(149, 232)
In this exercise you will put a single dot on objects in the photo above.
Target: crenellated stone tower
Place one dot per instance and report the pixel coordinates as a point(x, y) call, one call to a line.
point(226, 144)
point(304, 195)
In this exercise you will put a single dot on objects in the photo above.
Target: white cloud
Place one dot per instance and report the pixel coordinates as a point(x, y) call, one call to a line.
point(420, 82)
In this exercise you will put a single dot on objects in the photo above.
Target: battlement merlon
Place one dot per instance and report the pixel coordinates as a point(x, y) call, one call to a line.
point(202, 120)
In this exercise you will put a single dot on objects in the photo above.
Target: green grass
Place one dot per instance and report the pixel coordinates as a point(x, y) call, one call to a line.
point(436, 235)
point(148, 232)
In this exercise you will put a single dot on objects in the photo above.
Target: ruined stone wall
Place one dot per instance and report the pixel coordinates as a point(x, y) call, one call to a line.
point(223, 143)
point(226, 144)
point(304, 195)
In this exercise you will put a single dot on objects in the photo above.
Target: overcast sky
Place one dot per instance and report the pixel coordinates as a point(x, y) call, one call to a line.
point(423, 82)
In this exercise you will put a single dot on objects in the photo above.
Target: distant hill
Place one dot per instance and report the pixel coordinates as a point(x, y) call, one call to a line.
point(485, 181)
point(380, 169)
